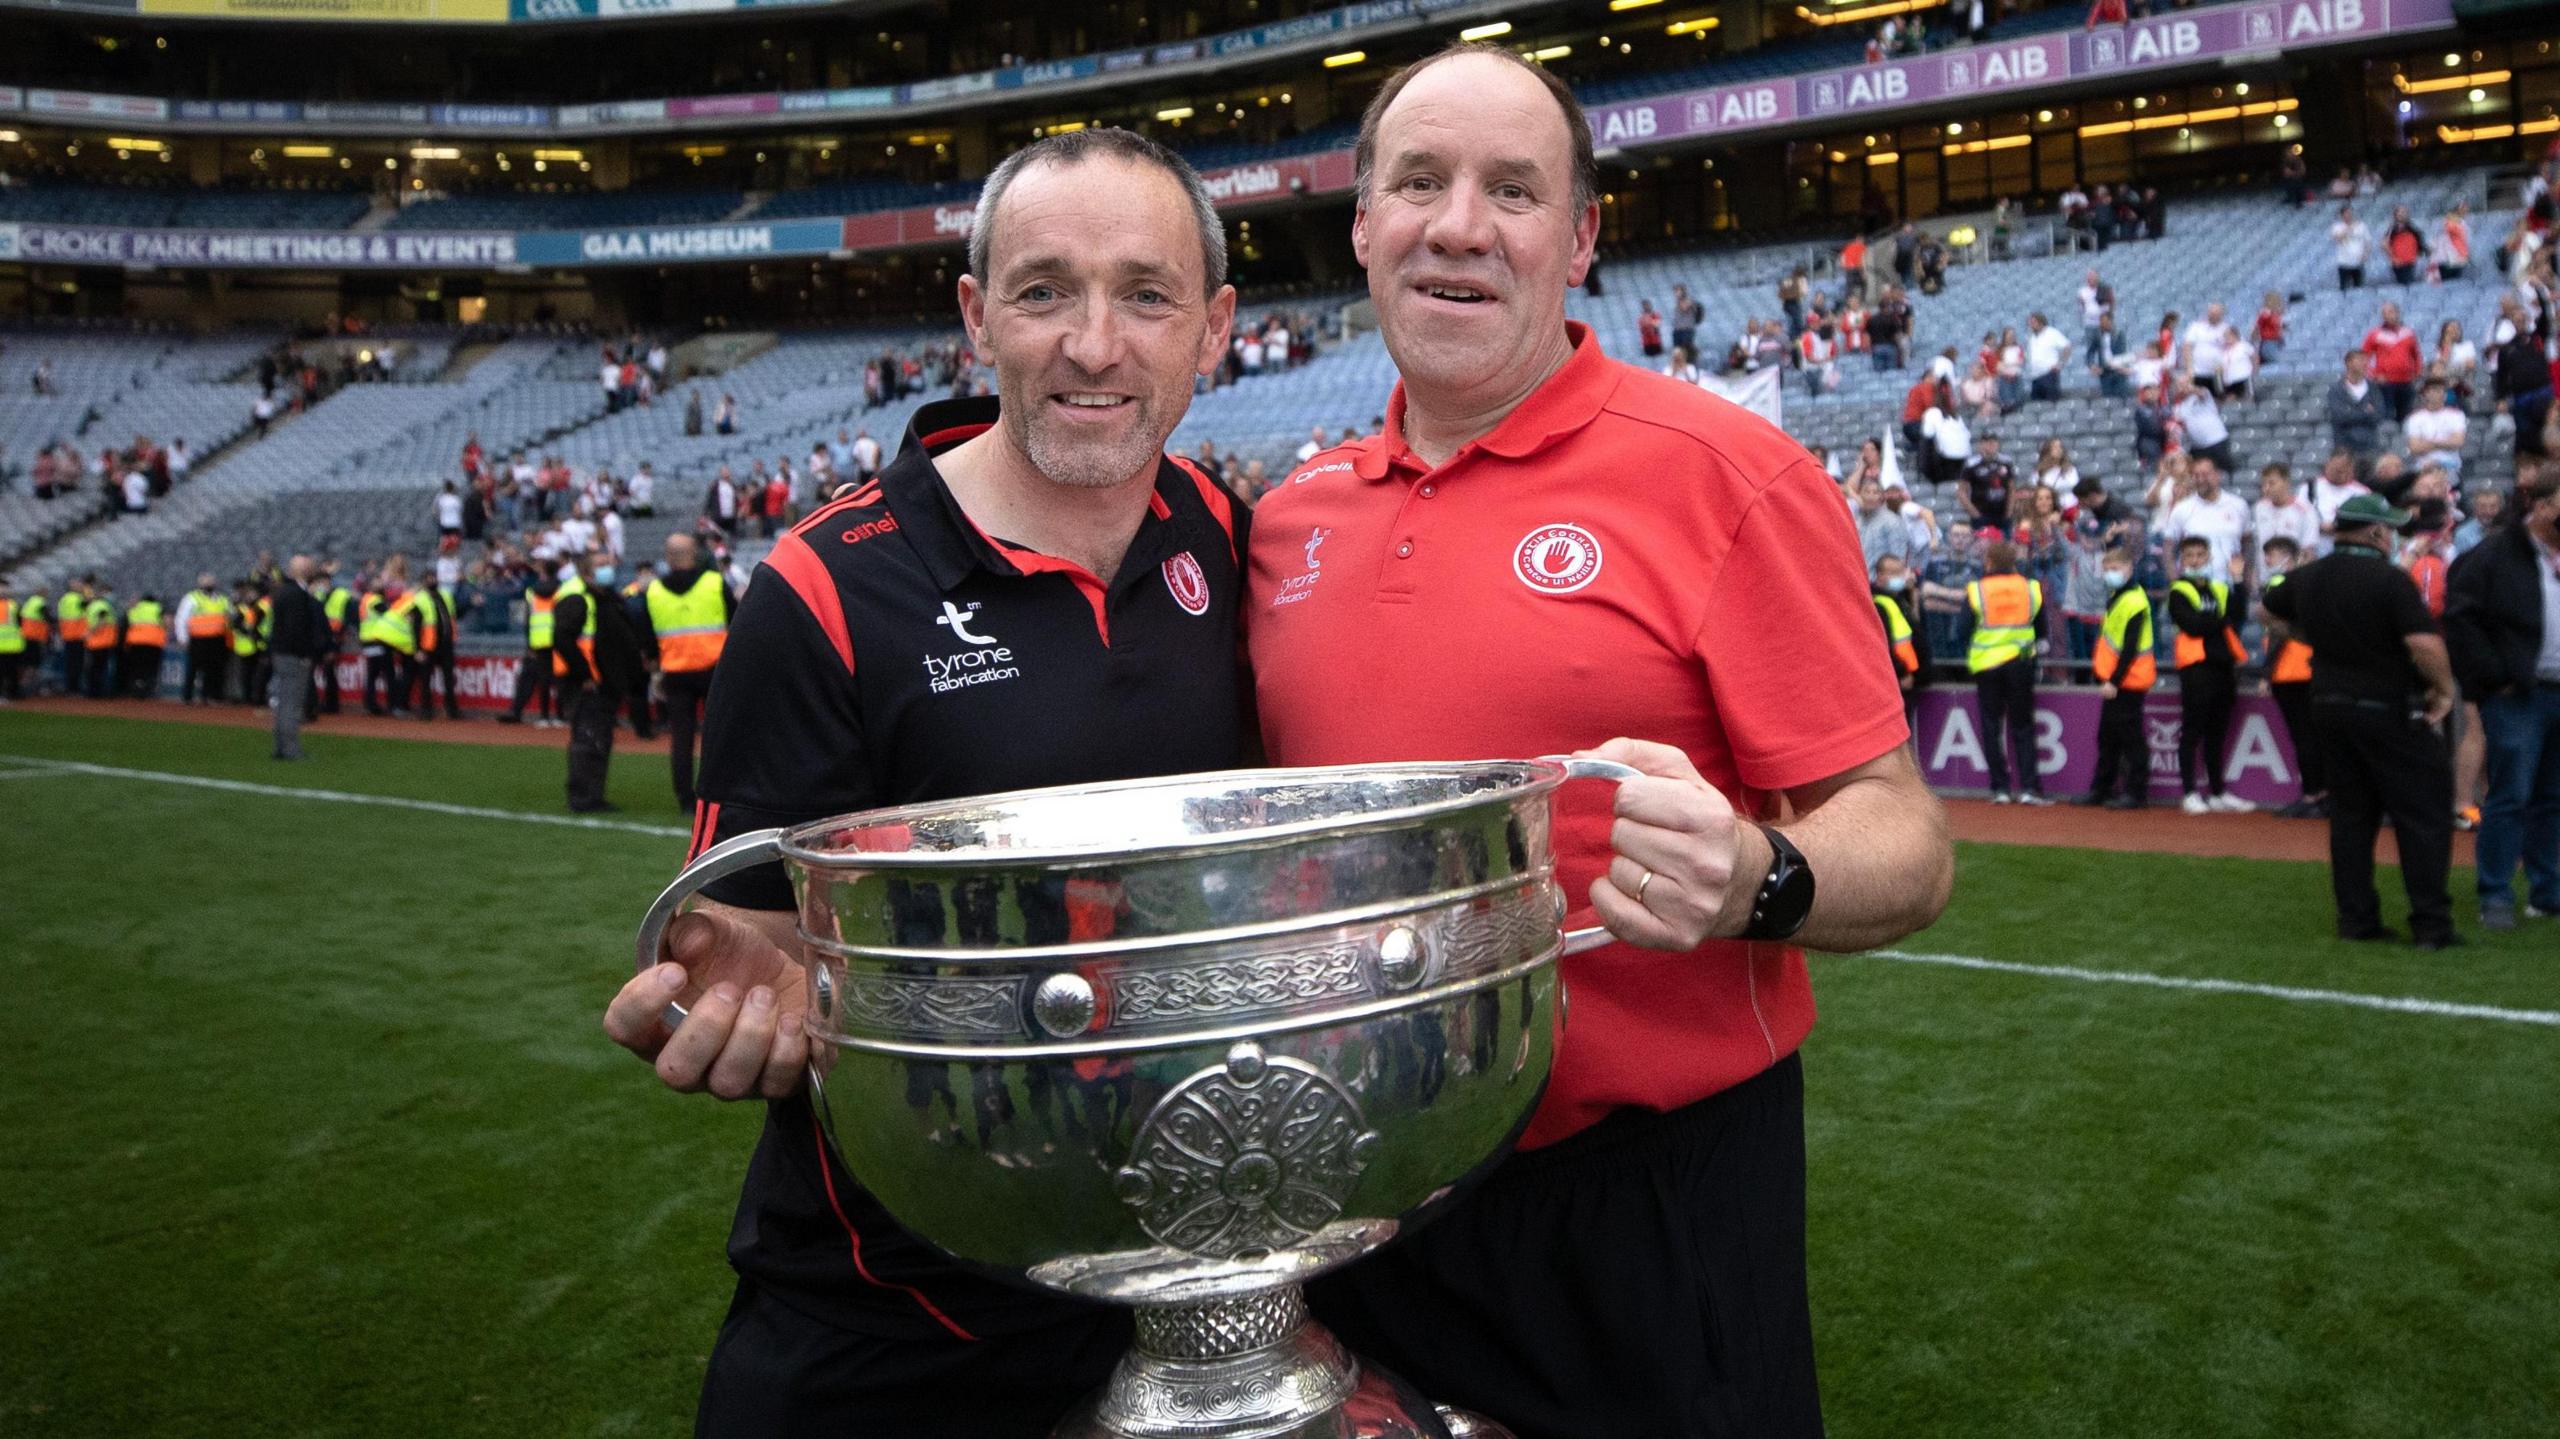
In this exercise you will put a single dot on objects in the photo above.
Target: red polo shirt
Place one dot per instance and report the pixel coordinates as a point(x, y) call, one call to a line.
point(1623, 555)
point(2395, 354)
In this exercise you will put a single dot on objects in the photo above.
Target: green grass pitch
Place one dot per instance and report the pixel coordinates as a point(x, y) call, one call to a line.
point(311, 1131)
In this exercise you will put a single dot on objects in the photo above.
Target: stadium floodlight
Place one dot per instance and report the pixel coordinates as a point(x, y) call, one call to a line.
point(121, 142)
point(1552, 52)
point(1616, 6)
point(1699, 26)
point(10, 137)
point(434, 152)
point(1347, 57)
point(1494, 31)
point(1177, 112)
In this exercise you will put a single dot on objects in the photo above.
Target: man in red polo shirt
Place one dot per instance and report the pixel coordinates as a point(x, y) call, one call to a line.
point(2394, 347)
point(1541, 549)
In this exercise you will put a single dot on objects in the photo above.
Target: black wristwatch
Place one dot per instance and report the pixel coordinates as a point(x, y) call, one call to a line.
point(1785, 895)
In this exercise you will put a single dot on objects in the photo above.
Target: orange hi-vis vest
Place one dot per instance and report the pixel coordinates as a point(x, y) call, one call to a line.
point(211, 618)
point(33, 620)
point(1897, 633)
point(72, 612)
point(102, 625)
point(691, 627)
point(2291, 663)
point(2127, 630)
point(2190, 650)
point(2004, 617)
point(587, 631)
point(144, 626)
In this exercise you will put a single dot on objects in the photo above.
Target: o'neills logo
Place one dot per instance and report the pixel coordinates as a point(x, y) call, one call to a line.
point(1242, 181)
point(954, 219)
point(1190, 587)
point(1557, 559)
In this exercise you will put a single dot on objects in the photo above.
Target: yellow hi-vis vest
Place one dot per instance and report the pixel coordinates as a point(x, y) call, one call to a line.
point(388, 626)
point(2117, 637)
point(537, 619)
point(144, 625)
point(1897, 635)
point(72, 612)
point(2189, 650)
point(692, 627)
point(2004, 620)
point(34, 625)
point(211, 617)
point(577, 585)
point(249, 635)
point(102, 625)
point(13, 640)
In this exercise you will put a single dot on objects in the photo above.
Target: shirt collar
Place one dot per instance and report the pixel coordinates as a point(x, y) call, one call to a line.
point(1563, 403)
point(952, 545)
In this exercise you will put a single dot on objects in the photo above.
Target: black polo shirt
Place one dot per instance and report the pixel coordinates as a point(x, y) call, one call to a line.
point(2356, 610)
point(890, 652)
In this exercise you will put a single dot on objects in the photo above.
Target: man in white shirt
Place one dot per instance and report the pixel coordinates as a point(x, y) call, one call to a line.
point(2046, 350)
point(643, 491)
point(609, 376)
point(1253, 354)
point(1950, 444)
point(2436, 431)
point(179, 461)
point(448, 511)
point(1314, 446)
point(2213, 515)
point(137, 493)
point(2283, 512)
point(866, 455)
point(1276, 347)
point(724, 501)
point(2350, 242)
point(2095, 300)
point(448, 571)
point(2208, 438)
point(2202, 343)
point(611, 525)
point(578, 532)
point(2336, 485)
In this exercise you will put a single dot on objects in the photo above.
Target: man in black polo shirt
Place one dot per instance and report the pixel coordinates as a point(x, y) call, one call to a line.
point(1032, 594)
point(2381, 686)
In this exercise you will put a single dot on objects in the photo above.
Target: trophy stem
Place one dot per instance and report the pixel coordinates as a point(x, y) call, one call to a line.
point(1256, 1364)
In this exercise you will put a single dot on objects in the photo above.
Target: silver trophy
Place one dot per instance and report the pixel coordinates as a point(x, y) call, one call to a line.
point(1184, 1044)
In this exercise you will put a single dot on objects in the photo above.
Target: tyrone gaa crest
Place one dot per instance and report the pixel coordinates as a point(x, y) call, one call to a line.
point(1189, 586)
point(1557, 559)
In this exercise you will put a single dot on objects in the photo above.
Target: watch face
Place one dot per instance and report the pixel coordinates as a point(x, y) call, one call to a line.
point(1786, 895)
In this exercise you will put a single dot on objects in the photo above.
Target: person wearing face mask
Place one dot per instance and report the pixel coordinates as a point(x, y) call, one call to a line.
point(2126, 669)
point(1892, 596)
point(2381, 686)
point(600, 669)
point(2208, 655)
point(2008, 609)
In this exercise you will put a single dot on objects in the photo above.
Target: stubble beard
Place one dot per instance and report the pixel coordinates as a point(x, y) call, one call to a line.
point(1086, 464)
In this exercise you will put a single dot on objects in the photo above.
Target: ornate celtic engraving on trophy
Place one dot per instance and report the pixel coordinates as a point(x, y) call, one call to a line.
point(1271, 982)
point(1477, 941)
point(912, 1005)
point(1253, 1155)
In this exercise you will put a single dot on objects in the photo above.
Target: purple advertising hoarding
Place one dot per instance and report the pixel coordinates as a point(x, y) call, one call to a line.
point(2257, 760)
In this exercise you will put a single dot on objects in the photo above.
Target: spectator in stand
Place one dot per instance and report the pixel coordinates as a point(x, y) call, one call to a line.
point(2105, 12)
point(641, 494)
point(2206, 610)
point(1978, 394)
point(2150, 427)
point(1926, 393)
point(2356, 409)
point(2201, 346)
point(722, 502)
point(1881, 531)
point(1952, 564)
point(2455, 363)
point(1853, 327)
point(2488, 504)
point(448, 512)
point(137, 492)
point(2499, 627)
point(2010, 370)
point(2268, 330)
point(1683, 368)
point(2095, 524)
point(2349, 243)
point(1686, 315)
point(2436, 431)
point(1649, 330)
point(2396, 364)
point(1988, 479)
point(1889, 329)
point(1817, 353)
point(2283, 513)
point(1948, 444)
point(2201, 424)
point(2452, 249)
point(725, 421)
point(2046, 349)
point(2096, 298)
point(2109, 359)
point(2214, 516)
point(2403, 246)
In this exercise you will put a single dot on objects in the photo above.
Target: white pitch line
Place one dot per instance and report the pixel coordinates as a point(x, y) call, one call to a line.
point(2395, 1004)
point(278, 791)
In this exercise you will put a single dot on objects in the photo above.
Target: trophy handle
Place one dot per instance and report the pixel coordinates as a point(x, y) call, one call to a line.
point(1593, 936)
point(726, 858)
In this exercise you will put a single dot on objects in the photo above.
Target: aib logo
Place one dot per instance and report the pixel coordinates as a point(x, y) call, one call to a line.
point(958, 619)
point(1557, 559)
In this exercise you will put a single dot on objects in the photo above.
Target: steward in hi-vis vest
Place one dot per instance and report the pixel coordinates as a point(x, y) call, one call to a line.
point(146, 639)
point(2007, 608)
point(2289, 681)
point(2126, 669)
point(13, 642)
point(2208, 654)
point(204, 618)
point(684, 623)
point(534, 672)
point(71, 618)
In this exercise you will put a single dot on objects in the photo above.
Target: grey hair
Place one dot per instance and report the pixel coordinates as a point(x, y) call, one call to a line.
point(1078, 146)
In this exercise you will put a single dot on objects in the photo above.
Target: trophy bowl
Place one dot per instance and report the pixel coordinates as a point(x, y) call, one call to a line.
point(1184, 1044)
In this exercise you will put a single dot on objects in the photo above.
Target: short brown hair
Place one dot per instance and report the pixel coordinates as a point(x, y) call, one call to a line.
point(2000, 557)
point(1586, 170)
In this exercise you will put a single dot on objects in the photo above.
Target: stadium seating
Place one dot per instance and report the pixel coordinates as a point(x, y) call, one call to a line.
point(183, 207)
point(579, 210)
